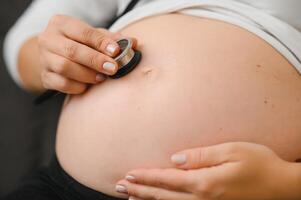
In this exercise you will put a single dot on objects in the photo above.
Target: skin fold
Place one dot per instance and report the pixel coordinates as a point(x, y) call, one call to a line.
point(201, 82)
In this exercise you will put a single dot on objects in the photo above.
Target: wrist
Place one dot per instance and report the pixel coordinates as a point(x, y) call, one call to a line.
point(29, 66)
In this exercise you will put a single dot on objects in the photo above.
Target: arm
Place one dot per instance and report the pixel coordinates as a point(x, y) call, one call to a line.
point(21, 44)
point(29, 66)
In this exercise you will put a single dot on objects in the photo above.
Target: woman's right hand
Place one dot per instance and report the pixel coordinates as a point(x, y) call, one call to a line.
point(73, 54)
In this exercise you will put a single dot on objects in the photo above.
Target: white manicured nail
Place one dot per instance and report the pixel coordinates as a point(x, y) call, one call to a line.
point(100, 77)
point(121, 188)
point(132, 198)
point(179, 159)
point(111, 48)
point(109, 67)
point(130, 178)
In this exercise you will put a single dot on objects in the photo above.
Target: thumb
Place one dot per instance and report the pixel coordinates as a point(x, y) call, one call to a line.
point(203, 157)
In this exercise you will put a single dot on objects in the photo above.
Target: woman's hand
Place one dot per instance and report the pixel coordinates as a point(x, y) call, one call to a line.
point(230, 171)
point(74, 54)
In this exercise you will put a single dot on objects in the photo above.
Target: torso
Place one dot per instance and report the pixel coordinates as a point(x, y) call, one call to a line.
point(200, 82)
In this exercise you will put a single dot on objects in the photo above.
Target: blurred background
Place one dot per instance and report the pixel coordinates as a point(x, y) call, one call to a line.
point(26, 132)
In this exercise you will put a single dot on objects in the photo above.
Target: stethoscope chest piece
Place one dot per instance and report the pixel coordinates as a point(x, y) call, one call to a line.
point(128, 59)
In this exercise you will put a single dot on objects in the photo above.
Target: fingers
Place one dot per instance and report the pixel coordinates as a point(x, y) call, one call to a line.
point(78, 53)
point(174, 179)
point(73, 70)
point(81, 32)
point(203, 183)
point(206, 156)
point(137, 191)
point(62, 84)
point(83, 55)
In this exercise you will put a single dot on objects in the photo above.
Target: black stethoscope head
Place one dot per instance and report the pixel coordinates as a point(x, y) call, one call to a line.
point(128, 59)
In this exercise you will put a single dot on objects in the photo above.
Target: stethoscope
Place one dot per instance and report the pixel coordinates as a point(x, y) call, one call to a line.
point(127, 59)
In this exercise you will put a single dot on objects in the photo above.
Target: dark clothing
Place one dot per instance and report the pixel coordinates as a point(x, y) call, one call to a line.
point(53, 183)
point(27, 133)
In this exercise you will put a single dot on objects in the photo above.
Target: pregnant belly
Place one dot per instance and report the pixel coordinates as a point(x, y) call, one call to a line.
point(200, 82)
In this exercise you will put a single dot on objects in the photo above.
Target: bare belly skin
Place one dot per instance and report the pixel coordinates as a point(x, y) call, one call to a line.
point(200, 82)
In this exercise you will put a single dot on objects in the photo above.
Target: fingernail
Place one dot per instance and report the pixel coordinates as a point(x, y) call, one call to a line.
point(100, 77)
point(111, 48)
point(178, 159)
point(130, 178)
point(121, 188)
point(109, 67)
point(132, 198)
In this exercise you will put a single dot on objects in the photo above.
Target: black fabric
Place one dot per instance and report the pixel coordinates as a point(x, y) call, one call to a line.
point(55, 184)
point(129, 7)
point(26, 132)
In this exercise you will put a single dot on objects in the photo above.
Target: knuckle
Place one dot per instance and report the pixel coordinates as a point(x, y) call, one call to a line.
point(62, 85)
point(158, 196)
point(44, 78)
point(45, 85)
point(87, 34)
point(94, 60)
point(99, 40)
point(57, 20)
point(70, 50)
point(44, 75)
point(198, 157)
point(133, 191)
point(202, 155)
point(189, 180)
point(78, 90)
point(42, 38)
point(204, 188)
point(159, 183)
point(62, 66)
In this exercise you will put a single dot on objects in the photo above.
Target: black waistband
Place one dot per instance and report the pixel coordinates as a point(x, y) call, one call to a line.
point(70, 187)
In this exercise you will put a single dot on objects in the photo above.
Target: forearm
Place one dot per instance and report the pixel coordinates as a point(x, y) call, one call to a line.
point(29, 66)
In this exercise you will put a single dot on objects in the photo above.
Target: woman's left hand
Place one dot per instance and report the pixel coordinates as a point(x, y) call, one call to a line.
point(229, 171)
